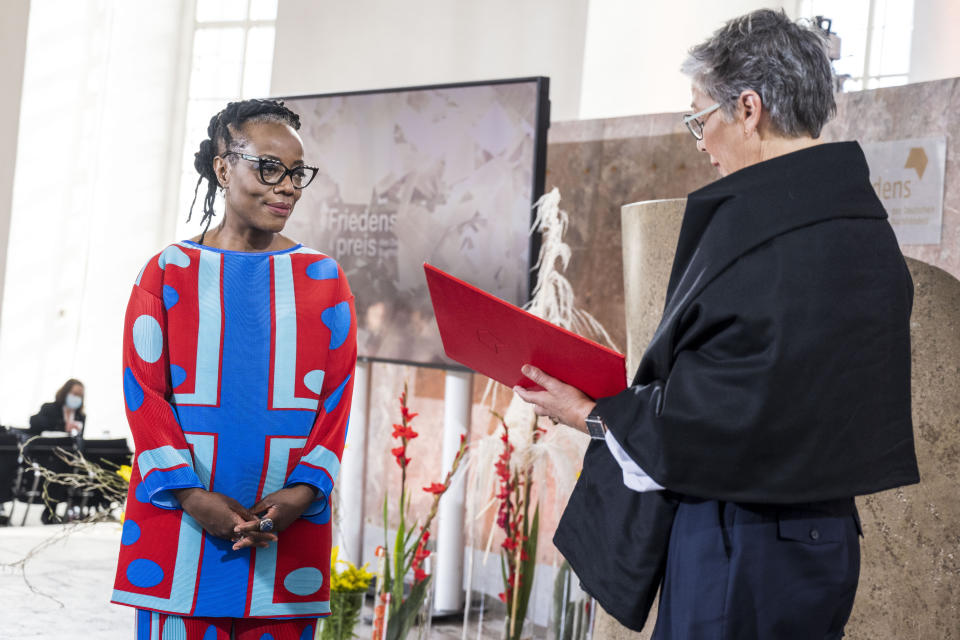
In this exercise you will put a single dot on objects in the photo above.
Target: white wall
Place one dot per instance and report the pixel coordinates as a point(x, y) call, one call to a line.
point(13, 45)
point(325, 47)
point(605, 58)
point(97, 137)
point(634, 50)
point(935, 47)
point(89, 197)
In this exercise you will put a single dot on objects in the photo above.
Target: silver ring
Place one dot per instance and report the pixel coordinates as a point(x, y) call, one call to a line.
point(266, 525)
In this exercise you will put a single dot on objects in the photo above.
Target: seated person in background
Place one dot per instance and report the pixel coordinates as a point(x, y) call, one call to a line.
point(65, 413)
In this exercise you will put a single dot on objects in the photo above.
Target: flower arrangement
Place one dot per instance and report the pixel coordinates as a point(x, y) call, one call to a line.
point(349, 580)
point(394, 613)
point(109, 480)
point(347, 587)
point(548, 461)
point(519, 547)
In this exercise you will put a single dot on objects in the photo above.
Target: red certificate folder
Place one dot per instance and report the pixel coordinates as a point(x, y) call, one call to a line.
point(496, 338)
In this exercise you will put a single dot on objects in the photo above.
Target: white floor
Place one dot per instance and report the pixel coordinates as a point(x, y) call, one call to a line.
point(63, 590)
point(71, 578)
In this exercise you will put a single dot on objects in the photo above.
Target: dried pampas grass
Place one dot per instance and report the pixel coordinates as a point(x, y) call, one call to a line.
point(555, 458)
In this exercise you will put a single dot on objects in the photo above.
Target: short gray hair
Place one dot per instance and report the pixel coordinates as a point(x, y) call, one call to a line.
point(785, 62)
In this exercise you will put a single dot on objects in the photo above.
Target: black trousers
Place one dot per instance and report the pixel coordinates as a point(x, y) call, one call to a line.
point(739, 571)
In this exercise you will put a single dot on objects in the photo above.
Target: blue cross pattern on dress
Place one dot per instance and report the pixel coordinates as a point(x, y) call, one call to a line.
point(240, 446)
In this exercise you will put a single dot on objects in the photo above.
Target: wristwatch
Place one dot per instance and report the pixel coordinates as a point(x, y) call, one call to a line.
point(595, 426)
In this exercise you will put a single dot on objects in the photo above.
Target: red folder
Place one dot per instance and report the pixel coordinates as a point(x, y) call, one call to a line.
point(496, 338)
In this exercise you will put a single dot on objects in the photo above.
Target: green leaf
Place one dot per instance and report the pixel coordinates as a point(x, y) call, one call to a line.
point(561, 625)
point(386, 554)
point(399, 624)
point(527, 568)
point(406, 540)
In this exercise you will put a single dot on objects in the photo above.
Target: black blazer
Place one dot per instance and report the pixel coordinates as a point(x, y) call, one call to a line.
point(780, 372)
point(50, 418)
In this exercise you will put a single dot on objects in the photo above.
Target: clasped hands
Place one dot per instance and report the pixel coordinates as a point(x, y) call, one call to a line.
point(558, 401)
point(226, 518)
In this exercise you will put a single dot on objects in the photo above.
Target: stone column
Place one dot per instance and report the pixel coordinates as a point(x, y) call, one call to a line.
point(910, 552)
point(448, 594)
point(650, 231)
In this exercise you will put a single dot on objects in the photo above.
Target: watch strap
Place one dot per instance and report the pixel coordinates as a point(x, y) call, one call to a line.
point(596, 427)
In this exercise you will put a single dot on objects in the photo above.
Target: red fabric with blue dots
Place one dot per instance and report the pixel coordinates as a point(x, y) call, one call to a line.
point(237, 377)
point(158, 626)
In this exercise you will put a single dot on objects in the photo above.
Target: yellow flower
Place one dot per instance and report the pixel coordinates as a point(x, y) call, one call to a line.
point(124, 472)
point(350, 579)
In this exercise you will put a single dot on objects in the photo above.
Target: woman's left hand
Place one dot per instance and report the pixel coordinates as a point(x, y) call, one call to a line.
point(283, 506)
point(558, 401)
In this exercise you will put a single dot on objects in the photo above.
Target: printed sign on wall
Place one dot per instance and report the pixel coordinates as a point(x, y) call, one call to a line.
point(908, 177)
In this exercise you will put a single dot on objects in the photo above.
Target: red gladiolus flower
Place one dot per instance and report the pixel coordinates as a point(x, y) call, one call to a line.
point(419, 555)
point(404, 432)
point(435, 488)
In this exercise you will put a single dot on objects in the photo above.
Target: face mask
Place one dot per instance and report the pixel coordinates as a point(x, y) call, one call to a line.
point(73, 401)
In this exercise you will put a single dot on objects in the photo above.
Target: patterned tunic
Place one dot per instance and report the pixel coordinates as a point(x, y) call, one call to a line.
point(237, 376)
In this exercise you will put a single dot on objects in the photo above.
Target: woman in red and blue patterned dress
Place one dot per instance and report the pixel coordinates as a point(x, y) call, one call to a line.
point(238, 360)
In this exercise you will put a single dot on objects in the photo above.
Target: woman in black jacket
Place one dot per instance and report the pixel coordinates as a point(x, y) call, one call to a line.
point(777, 385)
point(65, 413)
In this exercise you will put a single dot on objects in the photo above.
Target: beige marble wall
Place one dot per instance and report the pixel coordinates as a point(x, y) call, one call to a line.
point(600, 165)
point(921, 110)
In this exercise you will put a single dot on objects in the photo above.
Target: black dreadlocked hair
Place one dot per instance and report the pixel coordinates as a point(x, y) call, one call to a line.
point(220, 138)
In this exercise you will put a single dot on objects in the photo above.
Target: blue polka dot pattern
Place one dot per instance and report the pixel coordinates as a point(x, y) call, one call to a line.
point(314, 380)
point(141, 494)
point(334, 398)
point(266, 636)
point(177, 375)
point(303, 581)
point(174, 628)
point(131, 532)
point(170, 296)
point(140, 275)
point(144, 573)
point(307, 633)
point(210, 633)
point(147, 338)
point(325, 269)
point(337, 319)
point(132, 391)
point(174, 256)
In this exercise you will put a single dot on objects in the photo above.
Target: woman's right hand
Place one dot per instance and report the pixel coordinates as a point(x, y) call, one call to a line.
point(219, 514)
